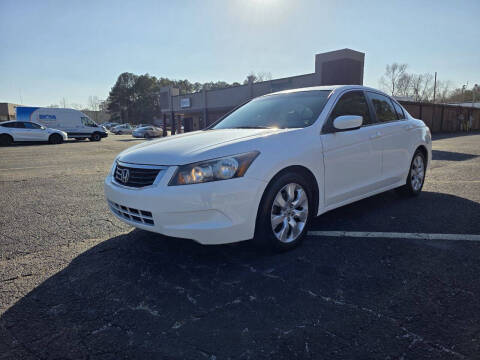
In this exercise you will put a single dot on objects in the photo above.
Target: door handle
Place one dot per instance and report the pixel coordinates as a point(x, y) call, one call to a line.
point(376, 135)
point(408, 127)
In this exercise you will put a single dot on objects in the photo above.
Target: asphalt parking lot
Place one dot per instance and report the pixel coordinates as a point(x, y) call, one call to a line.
point(75, 283)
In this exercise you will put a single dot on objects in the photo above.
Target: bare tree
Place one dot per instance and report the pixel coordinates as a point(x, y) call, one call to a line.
point(404, 85)
point(427, 87)
point(258, 77)
point(76, 106)
point(422, 87)
point(390, 79)
point(63, 103)
point(94, 106)
point(264, 76)
point(93, 103)
point(444, 89)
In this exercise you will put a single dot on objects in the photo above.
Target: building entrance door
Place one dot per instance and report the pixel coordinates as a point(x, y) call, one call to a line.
point(188, 124)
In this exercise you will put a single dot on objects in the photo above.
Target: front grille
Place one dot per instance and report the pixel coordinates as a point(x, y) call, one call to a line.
point(134, 176)
point(139, 216)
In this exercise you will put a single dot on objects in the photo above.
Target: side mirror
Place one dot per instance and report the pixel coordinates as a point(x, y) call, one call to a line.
point(347, 122)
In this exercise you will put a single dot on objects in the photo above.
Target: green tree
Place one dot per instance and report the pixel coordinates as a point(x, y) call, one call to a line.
point(121, 97)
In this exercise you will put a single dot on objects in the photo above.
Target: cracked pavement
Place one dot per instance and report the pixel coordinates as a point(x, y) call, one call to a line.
point(75, 283)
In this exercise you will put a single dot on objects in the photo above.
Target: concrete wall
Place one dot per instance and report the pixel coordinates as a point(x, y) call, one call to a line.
point(7, 111)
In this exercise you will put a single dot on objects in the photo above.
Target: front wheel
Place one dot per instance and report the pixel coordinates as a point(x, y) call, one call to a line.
point(416, 175)
point(95, 137)
point(285, 212)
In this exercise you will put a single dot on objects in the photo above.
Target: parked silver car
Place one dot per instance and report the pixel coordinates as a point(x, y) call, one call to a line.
point(147, 132)
point(122, 129)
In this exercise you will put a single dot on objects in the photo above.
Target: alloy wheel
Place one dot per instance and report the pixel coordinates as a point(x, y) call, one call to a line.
point(289, 212)
point(417, 173)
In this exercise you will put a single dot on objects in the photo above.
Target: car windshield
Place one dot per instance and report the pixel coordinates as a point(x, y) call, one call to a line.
point(288, 110)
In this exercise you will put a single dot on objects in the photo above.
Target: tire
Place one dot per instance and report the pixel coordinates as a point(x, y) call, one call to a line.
point(147, 136)
point(95, 137)
point(55, 139)
point(6, 140)
point(416, 176)
point(281, 224)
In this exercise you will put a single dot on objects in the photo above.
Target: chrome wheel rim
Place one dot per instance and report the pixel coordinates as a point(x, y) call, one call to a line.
point(289, 212)
point(417, 173)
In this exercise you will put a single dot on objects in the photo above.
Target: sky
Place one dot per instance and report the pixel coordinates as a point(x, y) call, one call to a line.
point(50, 50)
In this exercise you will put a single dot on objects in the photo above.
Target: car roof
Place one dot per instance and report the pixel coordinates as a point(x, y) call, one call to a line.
point(334, 88)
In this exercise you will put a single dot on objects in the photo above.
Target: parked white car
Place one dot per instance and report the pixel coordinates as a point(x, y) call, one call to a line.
point(122, 129)
point(15, 131)
point(264, 170)
point(74, 122)
point(147, 132)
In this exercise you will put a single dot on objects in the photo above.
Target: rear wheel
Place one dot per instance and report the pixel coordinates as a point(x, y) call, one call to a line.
point(6, 140)
point(416, 175)
point(95, 137)
point(55, 139)
point(284, 213)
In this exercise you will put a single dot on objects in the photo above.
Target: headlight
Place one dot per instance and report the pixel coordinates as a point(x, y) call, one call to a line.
point(213, 170)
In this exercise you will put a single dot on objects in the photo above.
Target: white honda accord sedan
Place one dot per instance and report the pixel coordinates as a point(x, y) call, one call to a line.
point(266, 168)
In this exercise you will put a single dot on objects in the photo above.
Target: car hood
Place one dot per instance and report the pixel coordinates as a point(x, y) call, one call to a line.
point(193, 146)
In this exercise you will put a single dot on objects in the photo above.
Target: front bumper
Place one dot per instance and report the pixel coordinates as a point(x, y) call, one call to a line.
point(211, 213)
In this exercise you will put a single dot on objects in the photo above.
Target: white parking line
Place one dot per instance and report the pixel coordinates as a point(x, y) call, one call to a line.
point(396, 235)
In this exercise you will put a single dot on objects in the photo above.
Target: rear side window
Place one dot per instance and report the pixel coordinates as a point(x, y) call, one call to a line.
point(399, 111)
point(383, 107)
point(9, 125)
point(31, 125)
point(352, 103)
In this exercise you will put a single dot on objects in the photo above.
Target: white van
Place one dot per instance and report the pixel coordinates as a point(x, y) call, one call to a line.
point(75, 123)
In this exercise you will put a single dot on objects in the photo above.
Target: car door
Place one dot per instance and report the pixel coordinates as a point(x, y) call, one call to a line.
point(352, 158)
point(35, 132)
point(9, 128)
point(395, 137)
point(20, 132)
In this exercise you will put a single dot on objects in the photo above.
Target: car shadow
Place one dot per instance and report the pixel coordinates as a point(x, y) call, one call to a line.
point(451, 155)
point(430, 212)
point(30, 143)
point(143, 295)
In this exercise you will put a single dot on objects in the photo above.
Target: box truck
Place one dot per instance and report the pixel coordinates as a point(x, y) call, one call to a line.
point(75, 123)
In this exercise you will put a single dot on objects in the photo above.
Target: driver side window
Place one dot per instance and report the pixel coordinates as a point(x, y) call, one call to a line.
point(87, 122)
point(352, 103)
point(30, 125)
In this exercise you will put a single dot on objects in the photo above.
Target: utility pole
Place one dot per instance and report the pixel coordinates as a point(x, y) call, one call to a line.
point(435, 87)
point(474, 93)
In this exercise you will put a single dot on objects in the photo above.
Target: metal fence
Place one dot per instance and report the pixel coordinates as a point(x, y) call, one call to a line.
point(445, 118)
